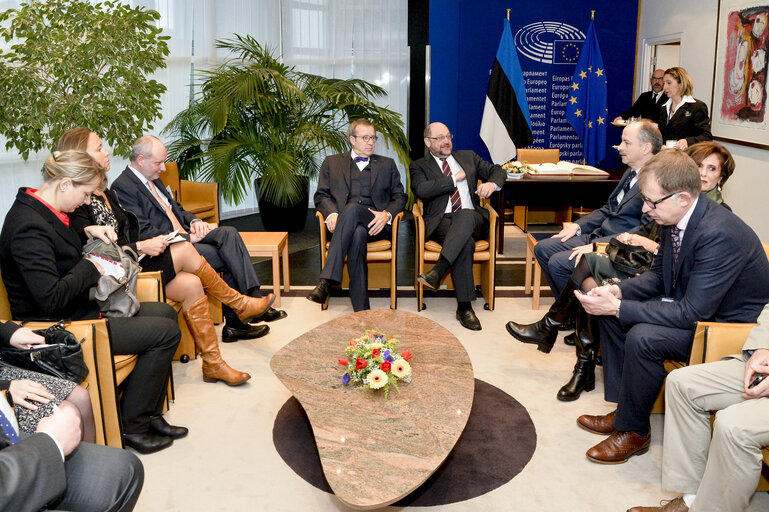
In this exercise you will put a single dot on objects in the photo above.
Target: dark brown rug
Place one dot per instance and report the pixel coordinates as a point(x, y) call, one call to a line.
point(497, 443)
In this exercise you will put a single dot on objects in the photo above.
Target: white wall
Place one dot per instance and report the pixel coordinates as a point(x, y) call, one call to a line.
point(746, 191)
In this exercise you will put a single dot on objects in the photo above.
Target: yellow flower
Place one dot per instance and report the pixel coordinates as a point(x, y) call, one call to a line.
point(376, 379)
point(374, 346)
point(400, 368)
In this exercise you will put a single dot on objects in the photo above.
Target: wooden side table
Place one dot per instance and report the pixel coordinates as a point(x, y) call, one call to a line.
point(270, 244)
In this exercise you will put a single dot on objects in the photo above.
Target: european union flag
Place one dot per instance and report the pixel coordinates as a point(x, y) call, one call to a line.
point(586, 110)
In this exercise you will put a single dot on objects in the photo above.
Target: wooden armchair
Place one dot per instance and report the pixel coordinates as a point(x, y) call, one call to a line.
point(484, 258)
point(106, 370)
point(381, 257)
point(197, 197)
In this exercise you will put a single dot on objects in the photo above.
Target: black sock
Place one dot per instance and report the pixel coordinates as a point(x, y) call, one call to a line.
point(464, 306)
point(643, 433)
point(441, 266)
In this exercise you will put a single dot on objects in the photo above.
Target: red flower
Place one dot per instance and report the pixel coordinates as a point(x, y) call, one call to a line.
point(385, 366)
point(360, 363)
point(343, 361)
point(352, 343)
point(375, 353)
point(406, 355)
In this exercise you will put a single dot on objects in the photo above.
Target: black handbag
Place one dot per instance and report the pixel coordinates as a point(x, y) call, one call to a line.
point(61, 356)
point(630, 259)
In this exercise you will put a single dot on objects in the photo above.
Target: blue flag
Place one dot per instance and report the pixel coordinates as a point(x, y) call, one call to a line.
point(506, 125)
point(586, 110)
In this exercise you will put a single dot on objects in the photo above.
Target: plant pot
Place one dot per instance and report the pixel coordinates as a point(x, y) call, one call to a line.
point(279, 218)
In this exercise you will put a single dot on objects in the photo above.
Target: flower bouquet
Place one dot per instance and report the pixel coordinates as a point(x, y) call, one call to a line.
point(373, 362)
point(516, 169)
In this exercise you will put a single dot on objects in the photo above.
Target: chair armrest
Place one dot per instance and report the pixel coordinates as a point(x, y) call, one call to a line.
point(600, 247)
point(713, 341)
point(419, 224)
point(149, 287)
point(323, 232)
point(396, 223)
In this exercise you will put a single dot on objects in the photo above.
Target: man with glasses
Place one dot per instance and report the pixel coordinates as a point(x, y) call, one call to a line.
point(358, 193)
point(648, 104)
point(710, 267)
point(446, 182)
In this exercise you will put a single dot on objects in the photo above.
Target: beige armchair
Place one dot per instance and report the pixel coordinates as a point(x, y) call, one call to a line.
point(197, 197)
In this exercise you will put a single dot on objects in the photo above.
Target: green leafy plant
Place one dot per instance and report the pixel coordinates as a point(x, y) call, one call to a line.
point(72, 63)
point(256, 117)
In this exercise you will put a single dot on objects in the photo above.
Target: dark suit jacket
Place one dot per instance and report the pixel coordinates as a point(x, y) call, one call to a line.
point(690, 122)
point(42, 265)
point(722, 274)
point(434, 188)
point(135, 197)
point(32, 474)
point(645, 107)
point(610, 220)
point(334, 185)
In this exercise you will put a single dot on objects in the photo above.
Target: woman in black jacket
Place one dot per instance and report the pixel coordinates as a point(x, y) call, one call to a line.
point(683, 120)
point(48, 279)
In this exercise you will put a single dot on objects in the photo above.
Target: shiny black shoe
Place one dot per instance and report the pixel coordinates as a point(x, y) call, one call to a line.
point(148, 442)
point(542, 333)
point(159, 425)
point(570, 339)
point(320, 293)
point(432, 281)
point(468, 319)
point(271, 315)
point(232, 334)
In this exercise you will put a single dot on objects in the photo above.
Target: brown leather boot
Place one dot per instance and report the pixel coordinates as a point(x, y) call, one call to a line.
point(243, 306)
point(198, 317)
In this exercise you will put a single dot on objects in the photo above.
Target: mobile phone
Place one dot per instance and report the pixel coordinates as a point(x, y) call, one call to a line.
point(757, 380)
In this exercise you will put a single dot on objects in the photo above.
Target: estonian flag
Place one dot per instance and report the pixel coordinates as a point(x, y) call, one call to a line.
point(586, 110)
point(506, 123)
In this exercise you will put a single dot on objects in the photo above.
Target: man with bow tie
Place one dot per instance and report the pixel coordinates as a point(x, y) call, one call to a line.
point(648, 104)
point(710, 267)
point(358, 193)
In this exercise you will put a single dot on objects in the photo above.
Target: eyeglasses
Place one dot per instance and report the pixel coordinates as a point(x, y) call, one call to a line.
point(441, 138)
point(366, 138)
point(653, 204)
point(660, 79)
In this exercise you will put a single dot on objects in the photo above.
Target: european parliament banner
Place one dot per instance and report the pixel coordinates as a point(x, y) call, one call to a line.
point(548, 37)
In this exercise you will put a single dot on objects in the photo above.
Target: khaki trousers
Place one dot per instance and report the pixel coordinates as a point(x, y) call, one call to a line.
point(722, 472)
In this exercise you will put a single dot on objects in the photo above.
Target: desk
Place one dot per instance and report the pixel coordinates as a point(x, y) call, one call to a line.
point(271, 244)
point(556, 193)
point(375, 451)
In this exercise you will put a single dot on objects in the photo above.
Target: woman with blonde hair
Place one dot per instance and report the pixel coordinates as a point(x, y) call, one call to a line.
point(683, 120)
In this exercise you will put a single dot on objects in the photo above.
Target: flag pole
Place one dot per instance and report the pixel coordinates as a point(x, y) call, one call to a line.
point(508, 14)
point(592, 14)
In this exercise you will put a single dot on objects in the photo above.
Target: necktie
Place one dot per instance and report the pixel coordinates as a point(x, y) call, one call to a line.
point(360, 159)
point(174, 221)
point(456, 201)
point(7, 427)
point(675, 237)
point(626, 185)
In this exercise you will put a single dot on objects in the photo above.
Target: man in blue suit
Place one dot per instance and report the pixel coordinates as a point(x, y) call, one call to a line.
point(710, 267)
point(558, 255)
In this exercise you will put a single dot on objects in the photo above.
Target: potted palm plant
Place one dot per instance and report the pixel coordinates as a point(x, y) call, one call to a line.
point(256, 118)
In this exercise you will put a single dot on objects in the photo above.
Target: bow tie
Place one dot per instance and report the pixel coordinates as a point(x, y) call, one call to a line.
point(360, 159)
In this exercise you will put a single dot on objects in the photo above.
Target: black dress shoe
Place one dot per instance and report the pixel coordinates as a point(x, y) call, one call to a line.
point(159, 425)
point(320, 293)
point(431, 280)
point(468, 319)
point(271, 315)
point(231, 334)
point(148, 442)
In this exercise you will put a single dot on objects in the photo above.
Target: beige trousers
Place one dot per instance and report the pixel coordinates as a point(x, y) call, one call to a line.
point(722, 472)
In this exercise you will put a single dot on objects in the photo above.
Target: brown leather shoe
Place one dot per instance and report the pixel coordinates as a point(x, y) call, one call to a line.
point(619, 447)
point(674, 505)
point(598, 424)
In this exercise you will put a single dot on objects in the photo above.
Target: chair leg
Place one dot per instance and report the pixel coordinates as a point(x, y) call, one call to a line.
point(527, 269)
point(536, 290)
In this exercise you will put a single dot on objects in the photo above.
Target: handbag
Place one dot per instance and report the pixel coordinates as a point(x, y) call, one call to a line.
point(630, 259)
point(61, 356)
point(116, 296)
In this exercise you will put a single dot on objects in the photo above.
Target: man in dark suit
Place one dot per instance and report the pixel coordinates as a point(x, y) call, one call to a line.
point(446, 182)
point(710, 266)
point(358, 193)
point(141, 192)
point(648, 104)
point(52, 468)
point(558, 255)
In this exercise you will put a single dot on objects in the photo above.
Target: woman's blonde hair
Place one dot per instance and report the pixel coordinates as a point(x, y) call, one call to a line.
point(77, 139)
point(683, 78)
point(78, 166)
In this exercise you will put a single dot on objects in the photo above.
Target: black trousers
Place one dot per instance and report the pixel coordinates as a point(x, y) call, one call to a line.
point(633, 370)
point(224, 250)
point(349, 240)
point(153, 334)
point(457, 233)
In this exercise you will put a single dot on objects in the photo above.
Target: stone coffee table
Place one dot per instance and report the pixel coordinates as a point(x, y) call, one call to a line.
point(376, 451)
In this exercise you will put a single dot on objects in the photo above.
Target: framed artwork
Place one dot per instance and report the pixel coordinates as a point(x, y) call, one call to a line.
point(739, 112)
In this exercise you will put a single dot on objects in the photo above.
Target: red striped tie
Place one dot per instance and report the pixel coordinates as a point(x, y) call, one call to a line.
point(456, 201)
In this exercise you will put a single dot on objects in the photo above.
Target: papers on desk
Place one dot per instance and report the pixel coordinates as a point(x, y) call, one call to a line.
point(564, 168)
